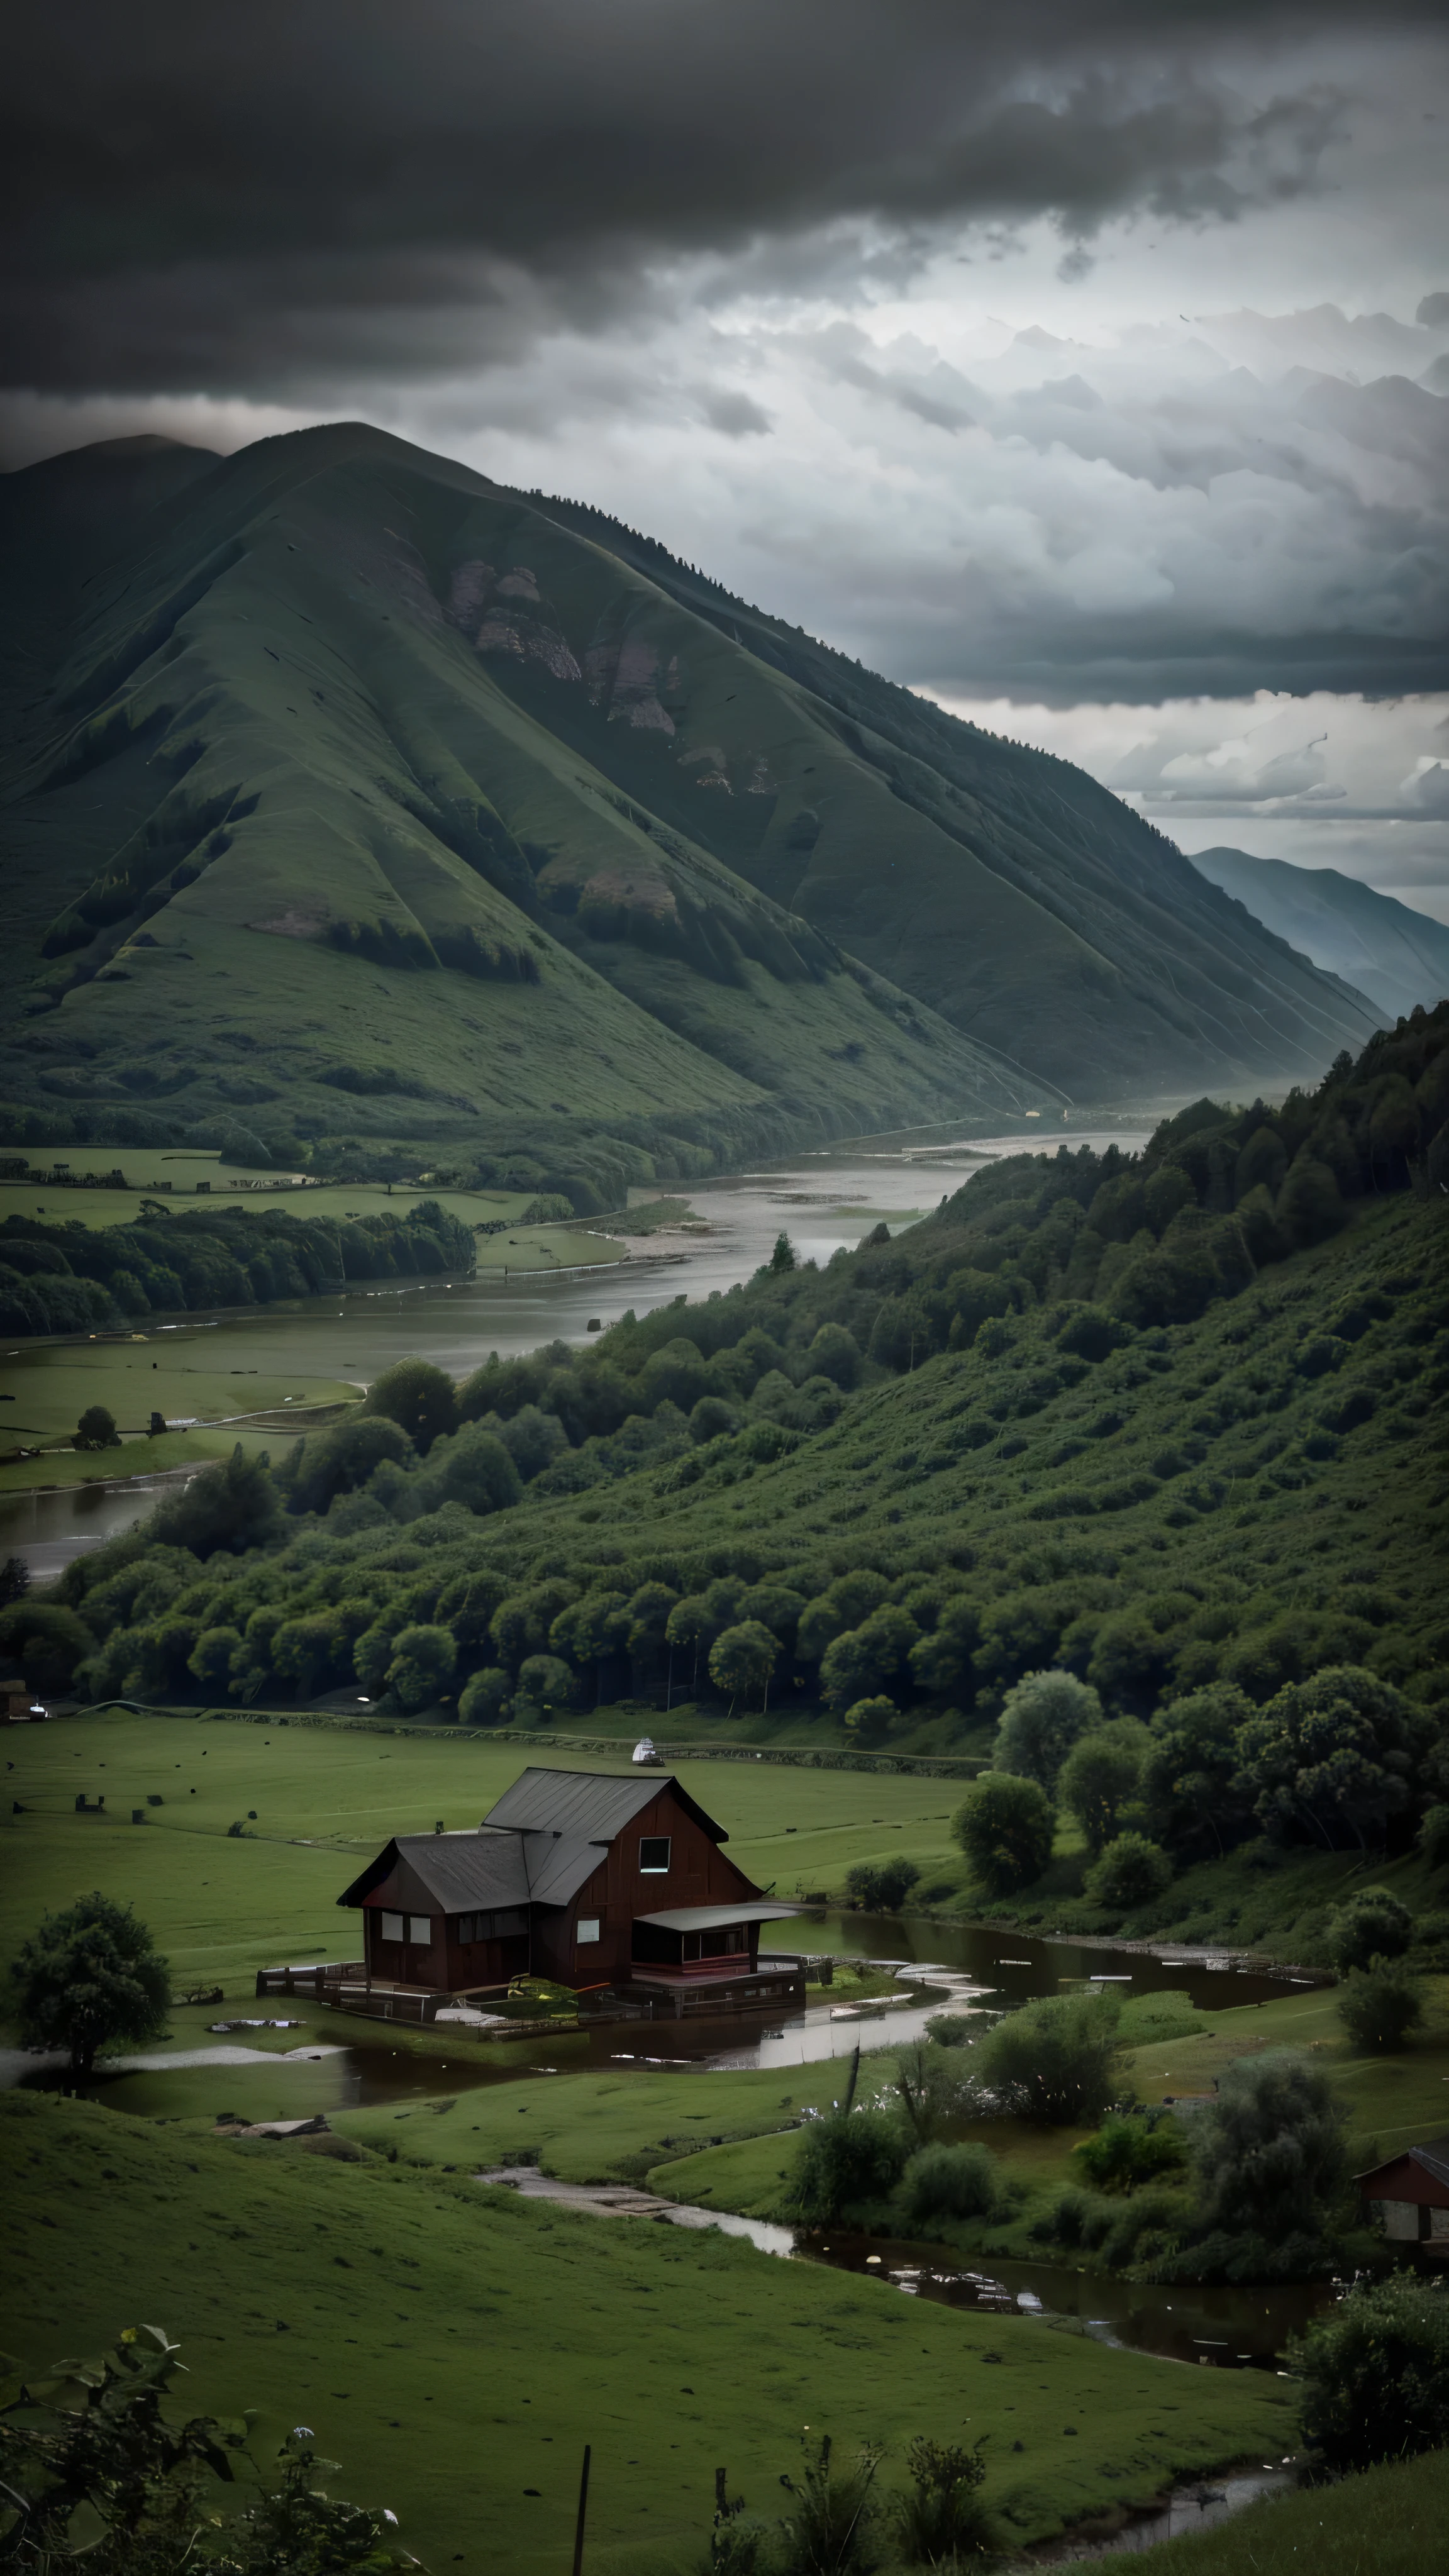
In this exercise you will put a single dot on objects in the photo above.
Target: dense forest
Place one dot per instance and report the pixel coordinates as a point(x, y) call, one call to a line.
point(68, 1278)
point(1169, 1429)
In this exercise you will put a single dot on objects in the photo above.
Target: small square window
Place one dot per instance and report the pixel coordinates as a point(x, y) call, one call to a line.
point(586, 1928)
point(420, 1930)
point(654, 1855)
point(394, 1927)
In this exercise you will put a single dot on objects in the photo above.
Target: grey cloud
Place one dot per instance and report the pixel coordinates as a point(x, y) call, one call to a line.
point(199, 196)
point(734, 415)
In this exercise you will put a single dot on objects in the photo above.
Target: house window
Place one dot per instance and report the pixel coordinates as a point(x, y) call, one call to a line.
point(654, 1855)
point(394, 1927)
point(408, 1927)
point(586, 1928)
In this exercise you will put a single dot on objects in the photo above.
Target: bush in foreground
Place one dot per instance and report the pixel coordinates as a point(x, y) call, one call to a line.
point(1271, 2170)
point(881, 1887)
point(1376, 2374)
point(942, 2519)
point(1372, 1925)
point(1127, 2152)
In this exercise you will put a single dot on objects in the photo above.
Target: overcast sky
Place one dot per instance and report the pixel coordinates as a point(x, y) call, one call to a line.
point(1085, 367)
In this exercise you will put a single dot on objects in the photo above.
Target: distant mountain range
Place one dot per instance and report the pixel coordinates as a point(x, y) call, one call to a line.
point(361, 805)
point(1395, 956)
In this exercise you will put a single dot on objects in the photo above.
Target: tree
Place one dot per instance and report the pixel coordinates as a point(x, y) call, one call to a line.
point(1270, 2166)
point(1100, 1778)
point(881, 1887)
point(844, 2157)
point(1330, 1759)
point(742, 1657)
point(96, 1429)
point(47, 1641)
point(1041, 1719)
point(783, 1256)
point(422, 1665)
point(420, 1398)
point(88, 1979)
point(14, 1580)
point(711, 1419)
point(484, 1700)
point(1127, 2151)
point(544, 1684)
point(1375, 2374)
point(338, 1461)
point(1432, 1837)
point(1372, 1925)
point(1004, 1826)
point(1379, 2005)
point(232, 1505)
point(1131, 1871)
point(868, 1721)
point(474, 1469)
point(210, 1660)
point(863, 1660)
point(933, 2090)
point(835, 1353)
point(1187, 1787)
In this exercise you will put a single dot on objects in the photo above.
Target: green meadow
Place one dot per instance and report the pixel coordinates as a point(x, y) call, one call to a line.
point(530, 2330)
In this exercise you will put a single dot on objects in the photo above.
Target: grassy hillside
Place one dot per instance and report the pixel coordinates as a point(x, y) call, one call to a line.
point(530, 2331)
point(1394, 955)
point(1381, 2524)
point(359, 806)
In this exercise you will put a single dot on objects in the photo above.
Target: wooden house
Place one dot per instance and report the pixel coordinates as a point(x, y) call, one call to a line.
point(597, 1881)
point(1409, 2196)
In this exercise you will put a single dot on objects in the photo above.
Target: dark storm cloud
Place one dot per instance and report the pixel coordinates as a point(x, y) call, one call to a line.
point(301, 191)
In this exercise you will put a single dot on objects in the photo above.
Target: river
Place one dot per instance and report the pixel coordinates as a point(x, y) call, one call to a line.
point(825, 1200)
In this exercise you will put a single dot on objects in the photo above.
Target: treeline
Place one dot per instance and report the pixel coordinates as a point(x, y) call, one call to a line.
point(64, 1278)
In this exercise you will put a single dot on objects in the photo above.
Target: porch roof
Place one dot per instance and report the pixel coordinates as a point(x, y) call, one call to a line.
point(713, 1918)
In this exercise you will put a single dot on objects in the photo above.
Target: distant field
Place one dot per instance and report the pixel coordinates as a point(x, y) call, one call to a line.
point(221, 1909)
point(144, 1169)
point(45, 1388)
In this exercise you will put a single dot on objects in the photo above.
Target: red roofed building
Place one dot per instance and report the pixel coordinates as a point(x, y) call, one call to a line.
point(1409, 2196)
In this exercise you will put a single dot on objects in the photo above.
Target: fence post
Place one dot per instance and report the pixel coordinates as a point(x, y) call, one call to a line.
point(583, 2509)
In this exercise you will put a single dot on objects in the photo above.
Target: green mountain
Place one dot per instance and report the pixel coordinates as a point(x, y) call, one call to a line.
point(364, 807)
point(1395, 956)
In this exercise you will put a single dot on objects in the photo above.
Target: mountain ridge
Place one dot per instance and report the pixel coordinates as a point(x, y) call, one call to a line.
point(1395, 956)
point(332, 717)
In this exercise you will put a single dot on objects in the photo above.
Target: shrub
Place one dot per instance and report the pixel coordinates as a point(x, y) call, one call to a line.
point(1381, 2004)
point(1131, 1871)
point(1126, 2152)
point(1054, 2062)
point(1041, 1719)
point(210, 1660)
point(881, 1887)
point(96, 1429)
point(846, 2156)
point(1270, 2165)
point(485, 1699)
point(942, 2519)
point(47, 1642)
point(1004, 1826)
point(951, 2182)
point(834, 2523)
point(1375, 2375)
point(952, 2030)
point(1433, 1837)
point(1372, 1925)
point(870, 1720)
point(421, 1664)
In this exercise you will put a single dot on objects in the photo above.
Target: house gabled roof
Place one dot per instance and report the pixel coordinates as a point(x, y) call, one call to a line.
point(590, 1806)
point(461, 1871)
point(1433, 2155)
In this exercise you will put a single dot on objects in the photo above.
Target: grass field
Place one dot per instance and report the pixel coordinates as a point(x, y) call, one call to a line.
point(145, 1167)
point(529, 2329)
point(1390, 2522)
point(221, 1909)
